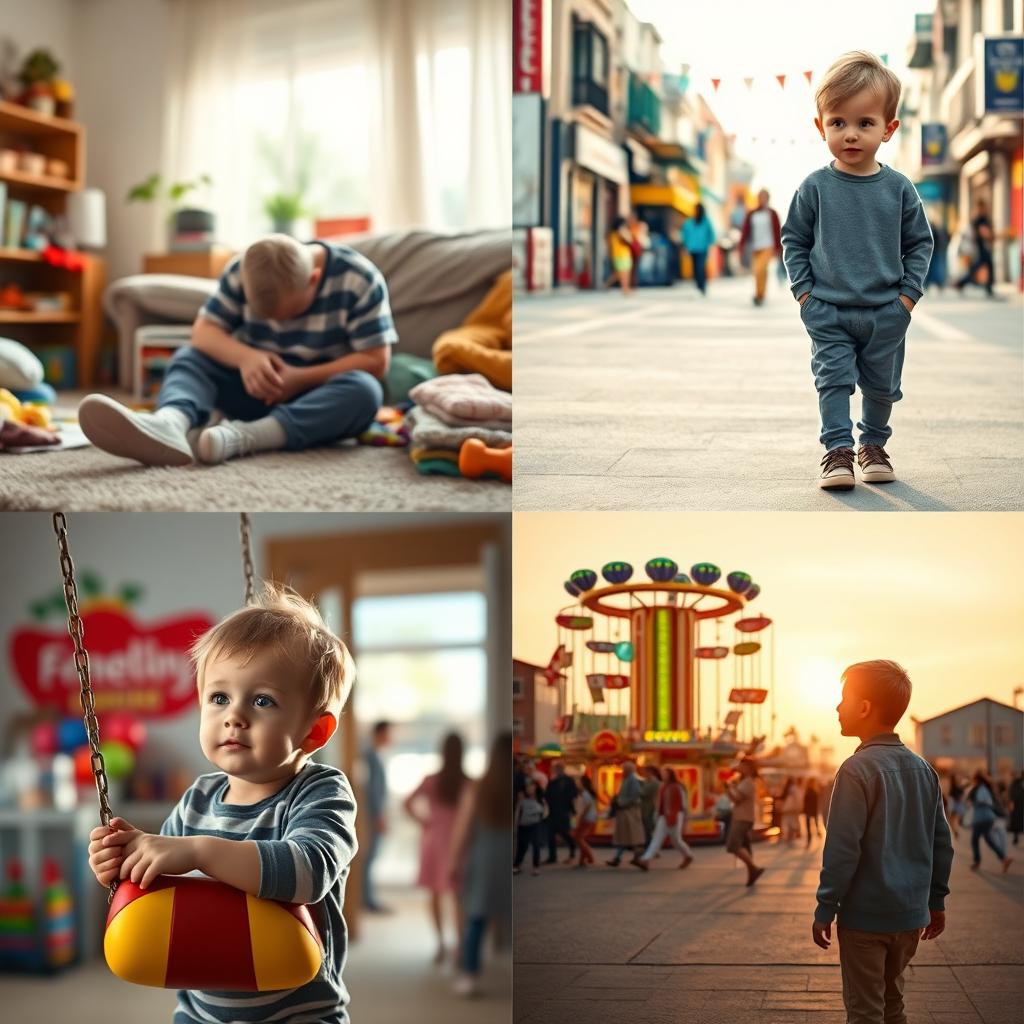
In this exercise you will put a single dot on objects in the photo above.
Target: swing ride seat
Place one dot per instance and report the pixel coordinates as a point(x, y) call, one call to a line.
point(185, 931)
point(197, 933)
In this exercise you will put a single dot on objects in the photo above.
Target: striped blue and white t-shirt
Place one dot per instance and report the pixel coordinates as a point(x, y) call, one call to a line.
point(306, 838)
point(350, 312)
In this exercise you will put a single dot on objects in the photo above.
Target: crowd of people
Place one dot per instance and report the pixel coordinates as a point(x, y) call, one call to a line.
point(652, 806)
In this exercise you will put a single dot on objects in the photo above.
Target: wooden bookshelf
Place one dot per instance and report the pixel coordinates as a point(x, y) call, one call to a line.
point(81, 327)
point(39, 316)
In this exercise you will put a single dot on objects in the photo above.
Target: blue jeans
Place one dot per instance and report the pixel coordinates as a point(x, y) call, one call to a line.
point(471, 943)
point(983, 830)
point(855, 346)
point(343, 406)
point(369, 855)
point(700, 270)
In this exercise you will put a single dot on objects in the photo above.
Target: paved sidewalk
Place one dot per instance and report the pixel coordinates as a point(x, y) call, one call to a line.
point(672, 946)
point(666, 400)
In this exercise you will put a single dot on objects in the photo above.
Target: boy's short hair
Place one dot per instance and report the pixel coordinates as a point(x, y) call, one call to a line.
point(884, 683)
point(853, 72)
point(272, 269)
point(283, 620)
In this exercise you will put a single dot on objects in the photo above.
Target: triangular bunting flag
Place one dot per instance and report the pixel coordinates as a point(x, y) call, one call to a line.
point(715, 82)
point(748, 82)
point(781, 80)
point(807, 75)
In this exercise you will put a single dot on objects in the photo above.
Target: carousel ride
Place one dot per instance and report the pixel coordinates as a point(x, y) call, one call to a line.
point(639, 668)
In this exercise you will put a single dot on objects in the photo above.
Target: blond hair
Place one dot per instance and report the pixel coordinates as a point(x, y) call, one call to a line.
point(853, 72)
point(282, 620)
point(274, 268)
point(885, 684)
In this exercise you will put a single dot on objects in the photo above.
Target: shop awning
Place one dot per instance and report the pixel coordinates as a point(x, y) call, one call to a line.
point(677, 197)
point(673, 155)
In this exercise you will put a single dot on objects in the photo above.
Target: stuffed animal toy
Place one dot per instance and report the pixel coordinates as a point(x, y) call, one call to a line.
point(483, 344)
point(19, 412)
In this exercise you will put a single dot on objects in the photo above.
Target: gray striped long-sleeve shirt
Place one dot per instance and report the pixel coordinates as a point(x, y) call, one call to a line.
point(306, 838)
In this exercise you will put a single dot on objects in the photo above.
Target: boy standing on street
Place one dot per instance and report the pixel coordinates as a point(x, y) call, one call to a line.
point(887, 854)
point(856, 244)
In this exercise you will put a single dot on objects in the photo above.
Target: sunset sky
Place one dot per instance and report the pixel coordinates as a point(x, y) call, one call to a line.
point(939, 592)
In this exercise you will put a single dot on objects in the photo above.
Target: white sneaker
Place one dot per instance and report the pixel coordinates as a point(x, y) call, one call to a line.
point(224, 441)
point(466, 985)
point(837, 470)
point(148, 439)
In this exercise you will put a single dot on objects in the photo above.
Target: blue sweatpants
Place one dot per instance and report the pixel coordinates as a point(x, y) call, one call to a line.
point(855, 346)
point(343, 406)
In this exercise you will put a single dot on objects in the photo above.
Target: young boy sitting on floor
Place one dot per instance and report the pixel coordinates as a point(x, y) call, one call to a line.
point(291, 348)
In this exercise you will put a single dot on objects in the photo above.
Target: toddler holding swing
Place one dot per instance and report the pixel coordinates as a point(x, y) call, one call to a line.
point(272, 680)
point(291, 348)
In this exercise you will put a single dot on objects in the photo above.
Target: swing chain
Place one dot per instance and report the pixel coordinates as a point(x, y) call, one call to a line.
point(245, 530)
point(87, 697)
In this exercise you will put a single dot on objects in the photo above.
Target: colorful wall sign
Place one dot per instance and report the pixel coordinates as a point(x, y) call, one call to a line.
point(134, 666)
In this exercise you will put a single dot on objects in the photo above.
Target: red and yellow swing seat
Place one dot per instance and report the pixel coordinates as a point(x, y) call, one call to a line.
point(198, 933)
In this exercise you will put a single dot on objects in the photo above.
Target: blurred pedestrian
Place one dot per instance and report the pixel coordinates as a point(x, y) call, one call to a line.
point(481, 839)
point(986, 809)
point(763, 230)
point(640, 239)
point(650, 786)
point(432, 805)
point(698, 237)
point(672, 803)
point(1017, 807)
point(530, 814)
point(742, 788)
point(723, 812)
point(812, 799)
point(376, 801)
point(586, 821)
point(628, 833)
point(976, 244)
point(620, 251)
point(956, 804)
point(560, 797)
point(519, 777)
point(887, 856)
point(792, 799)
point(937, 266)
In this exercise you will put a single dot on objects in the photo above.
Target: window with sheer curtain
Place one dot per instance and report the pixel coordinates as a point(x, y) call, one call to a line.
point(393, 110)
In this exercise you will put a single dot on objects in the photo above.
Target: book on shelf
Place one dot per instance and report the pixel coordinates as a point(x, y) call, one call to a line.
point(14, 223)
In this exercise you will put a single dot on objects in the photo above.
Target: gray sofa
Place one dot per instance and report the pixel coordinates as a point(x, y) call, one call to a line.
point(434, 281)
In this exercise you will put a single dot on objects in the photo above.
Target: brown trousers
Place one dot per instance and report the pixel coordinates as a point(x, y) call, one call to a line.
point(872, 964)
point(759, 262)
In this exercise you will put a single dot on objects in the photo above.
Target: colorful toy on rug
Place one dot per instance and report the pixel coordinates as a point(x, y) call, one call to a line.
point(476, 459)
point(483, 344)
point(435, 461)
point(30, 414)
point(389, 429)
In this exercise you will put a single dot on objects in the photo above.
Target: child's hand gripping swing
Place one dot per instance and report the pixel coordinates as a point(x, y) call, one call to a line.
point(187, 932)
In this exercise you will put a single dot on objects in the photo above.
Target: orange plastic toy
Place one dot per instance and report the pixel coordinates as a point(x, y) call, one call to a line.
point(475, 459)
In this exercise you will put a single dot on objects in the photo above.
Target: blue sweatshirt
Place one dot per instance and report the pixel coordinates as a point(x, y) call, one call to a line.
point(305, 836)
point(698, 237)
point(888, 850)
point(857, 240)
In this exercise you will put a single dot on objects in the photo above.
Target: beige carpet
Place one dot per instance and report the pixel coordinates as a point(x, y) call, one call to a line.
point(346, 478)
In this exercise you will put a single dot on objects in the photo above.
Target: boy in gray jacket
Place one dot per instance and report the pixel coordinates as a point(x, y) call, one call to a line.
point(887, 854)
point(856, 244)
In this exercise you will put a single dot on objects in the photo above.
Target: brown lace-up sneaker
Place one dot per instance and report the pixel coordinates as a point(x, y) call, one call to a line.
point(875, 467)
point(837, 470)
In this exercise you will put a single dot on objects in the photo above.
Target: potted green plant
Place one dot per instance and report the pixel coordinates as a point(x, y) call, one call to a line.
point(37, 75)
point(184, 220)
point(284, 209)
